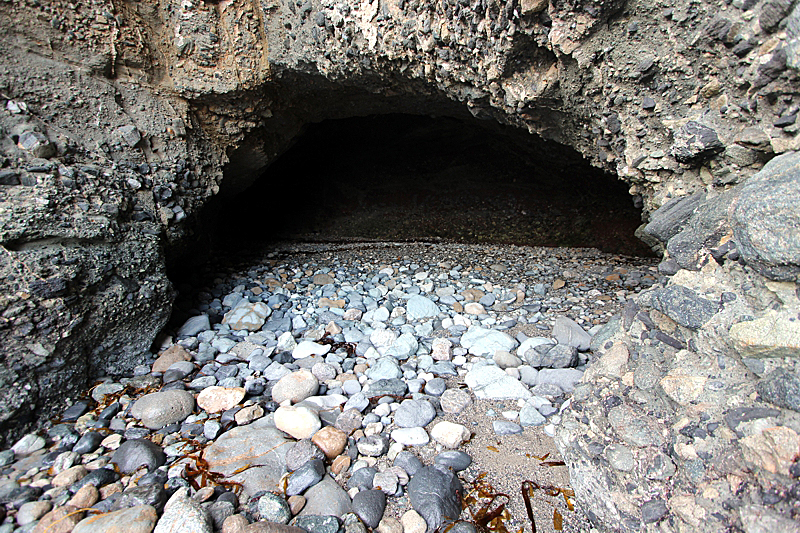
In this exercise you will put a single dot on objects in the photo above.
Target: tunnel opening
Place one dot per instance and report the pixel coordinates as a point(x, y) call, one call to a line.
point(403, 177)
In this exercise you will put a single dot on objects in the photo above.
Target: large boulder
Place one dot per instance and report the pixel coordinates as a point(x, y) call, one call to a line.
point(766, 216)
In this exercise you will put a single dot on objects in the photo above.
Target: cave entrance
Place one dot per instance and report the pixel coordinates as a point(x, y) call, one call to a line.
point(401, 177)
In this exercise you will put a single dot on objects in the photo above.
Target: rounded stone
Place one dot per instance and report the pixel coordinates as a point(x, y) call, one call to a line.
point(454, 401)
point(218, 399)
point(449, 434)
point(299, 422)
point(414, 413)
point(369, 505)
point(135, 453)
point(330, 440)
point(273, 508)
point(160, 409)
point(295, 387)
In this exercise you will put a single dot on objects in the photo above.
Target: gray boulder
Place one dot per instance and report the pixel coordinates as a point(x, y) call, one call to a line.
point(766, 217)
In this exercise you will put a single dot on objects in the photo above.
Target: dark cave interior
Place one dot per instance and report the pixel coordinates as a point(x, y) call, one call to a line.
point(402, 177)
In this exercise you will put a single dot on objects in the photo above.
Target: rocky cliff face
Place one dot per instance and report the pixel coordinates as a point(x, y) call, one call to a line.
point(122, 119)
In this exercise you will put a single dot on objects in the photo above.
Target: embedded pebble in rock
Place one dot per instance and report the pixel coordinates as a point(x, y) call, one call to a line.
point(449, 435)
point(159, 409)
point(298, 421)
point(217, 399)
point(295, 387)
point(139, 519)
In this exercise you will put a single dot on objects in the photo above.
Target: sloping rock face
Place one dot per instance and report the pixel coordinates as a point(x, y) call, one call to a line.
point(121, 120)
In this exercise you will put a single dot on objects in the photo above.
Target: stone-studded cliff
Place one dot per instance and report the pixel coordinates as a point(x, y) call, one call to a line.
point(121, 119)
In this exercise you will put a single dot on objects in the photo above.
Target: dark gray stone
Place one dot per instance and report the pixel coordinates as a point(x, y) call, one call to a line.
point(704, 231)
point(782, 388)
point(737, 415)
point(695, 143)
point(682, 305)
point(75, 411)
point(369, 506)
point(408, 462)
point(765, 218)
point(670, 218)
point(455, 459)
point(88, 442)
point(362, 478)
point(386, 387)
point(772, 13)
point(304, 477)
point(194, 325)
point(135, 453)
point(150, 494)
point(552, 356)
point(653, 511)
point(435, 494)
point(98, 478)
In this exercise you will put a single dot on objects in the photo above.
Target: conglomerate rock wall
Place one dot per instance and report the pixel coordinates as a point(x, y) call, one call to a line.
point(121, 119)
